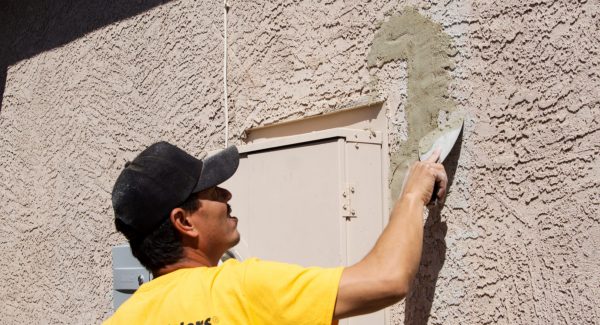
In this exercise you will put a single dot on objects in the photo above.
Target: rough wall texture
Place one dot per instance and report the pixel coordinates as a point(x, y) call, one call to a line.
point(71, 117)
point(534, 170)
point(517, 242)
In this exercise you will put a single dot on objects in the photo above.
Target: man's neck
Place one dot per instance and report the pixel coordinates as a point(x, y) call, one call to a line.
point(191, 258)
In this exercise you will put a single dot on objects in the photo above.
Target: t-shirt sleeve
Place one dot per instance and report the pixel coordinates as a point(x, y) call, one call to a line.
point(281, 293)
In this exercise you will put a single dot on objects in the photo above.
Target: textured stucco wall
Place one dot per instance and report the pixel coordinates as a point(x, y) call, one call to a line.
point(517, 242)
point(71, 117)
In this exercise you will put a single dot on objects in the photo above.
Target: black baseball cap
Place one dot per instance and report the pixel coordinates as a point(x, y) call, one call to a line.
point(161, 178)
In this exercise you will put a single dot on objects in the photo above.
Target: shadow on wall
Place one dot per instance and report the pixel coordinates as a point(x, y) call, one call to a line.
point(420, 299)
point(30, 27)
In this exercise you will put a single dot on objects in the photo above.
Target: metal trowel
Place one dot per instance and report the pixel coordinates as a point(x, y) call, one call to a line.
point(443, 138)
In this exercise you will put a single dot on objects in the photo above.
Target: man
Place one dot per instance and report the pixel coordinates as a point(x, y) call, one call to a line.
point(178, 222)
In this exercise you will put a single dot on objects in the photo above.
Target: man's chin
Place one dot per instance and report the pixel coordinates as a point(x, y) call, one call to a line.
point(236, 240)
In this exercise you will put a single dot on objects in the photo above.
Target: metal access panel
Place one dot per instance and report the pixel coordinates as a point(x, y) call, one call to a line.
point(313, 199)
point(128, 274)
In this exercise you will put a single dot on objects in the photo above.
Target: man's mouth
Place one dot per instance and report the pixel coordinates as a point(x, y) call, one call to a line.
point(229, 212)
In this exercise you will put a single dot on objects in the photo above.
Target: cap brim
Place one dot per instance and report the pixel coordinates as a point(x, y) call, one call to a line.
point(218, 168)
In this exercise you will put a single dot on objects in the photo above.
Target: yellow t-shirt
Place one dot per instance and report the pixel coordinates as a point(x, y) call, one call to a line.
point(249, 292)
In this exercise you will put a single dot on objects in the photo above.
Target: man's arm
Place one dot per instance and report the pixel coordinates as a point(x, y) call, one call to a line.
point(384, 276)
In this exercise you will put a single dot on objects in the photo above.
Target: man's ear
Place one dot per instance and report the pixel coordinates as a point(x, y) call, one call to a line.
point(180, 220)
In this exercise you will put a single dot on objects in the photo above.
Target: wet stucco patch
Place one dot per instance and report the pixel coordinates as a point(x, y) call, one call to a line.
point(428, 51)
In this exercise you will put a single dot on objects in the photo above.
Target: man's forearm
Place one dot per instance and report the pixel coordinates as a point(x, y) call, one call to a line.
point(384, 276)
point(397, 252)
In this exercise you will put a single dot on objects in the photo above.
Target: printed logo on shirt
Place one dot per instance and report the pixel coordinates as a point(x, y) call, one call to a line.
point(198, 322)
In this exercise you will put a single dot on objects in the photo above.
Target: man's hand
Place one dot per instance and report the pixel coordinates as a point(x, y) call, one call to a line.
point(384, 276)
point(422, 177)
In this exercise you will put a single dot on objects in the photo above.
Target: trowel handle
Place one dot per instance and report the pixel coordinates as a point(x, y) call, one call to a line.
point(436, 188)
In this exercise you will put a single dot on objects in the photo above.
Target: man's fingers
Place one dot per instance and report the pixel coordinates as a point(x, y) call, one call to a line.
point(442, 179)
point(434, 156)
point(426, 179)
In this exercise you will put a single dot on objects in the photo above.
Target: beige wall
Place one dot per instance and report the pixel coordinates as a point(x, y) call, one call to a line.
point(517, 242)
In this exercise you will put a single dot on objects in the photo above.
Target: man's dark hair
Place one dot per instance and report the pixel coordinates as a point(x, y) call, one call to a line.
point(162, 246)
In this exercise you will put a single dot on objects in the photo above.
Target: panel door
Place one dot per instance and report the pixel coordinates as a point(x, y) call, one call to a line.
point(287, 201)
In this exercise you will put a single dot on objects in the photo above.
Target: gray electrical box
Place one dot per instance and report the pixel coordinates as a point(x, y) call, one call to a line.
point(128, 274)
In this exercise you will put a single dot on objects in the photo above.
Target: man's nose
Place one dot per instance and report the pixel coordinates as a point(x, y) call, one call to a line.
point(225, 194)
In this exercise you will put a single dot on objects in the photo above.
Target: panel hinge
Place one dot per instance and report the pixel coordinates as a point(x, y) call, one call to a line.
point(348, 211)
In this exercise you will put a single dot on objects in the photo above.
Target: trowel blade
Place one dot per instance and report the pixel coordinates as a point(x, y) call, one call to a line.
point(443, 138)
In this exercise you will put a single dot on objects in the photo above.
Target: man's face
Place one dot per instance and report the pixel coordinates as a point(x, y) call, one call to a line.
point(218, 229)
